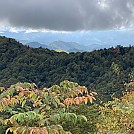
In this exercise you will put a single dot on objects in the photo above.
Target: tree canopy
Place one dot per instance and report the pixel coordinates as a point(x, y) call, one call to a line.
point(104, 71)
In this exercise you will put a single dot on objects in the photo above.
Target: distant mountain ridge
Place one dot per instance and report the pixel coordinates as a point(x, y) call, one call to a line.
point(104, 38)
point(61, 45)
point(37, 45)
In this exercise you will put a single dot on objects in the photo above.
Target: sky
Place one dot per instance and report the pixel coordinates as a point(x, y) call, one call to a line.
point(66, 16)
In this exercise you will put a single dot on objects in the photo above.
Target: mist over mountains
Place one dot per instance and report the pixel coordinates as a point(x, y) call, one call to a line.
point(61, 46)
point(69, 46)
point(67, 67)
point(73, 41)
point(65, 46)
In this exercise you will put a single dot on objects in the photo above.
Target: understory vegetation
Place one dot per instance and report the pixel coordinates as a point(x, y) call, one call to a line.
point(63, 109)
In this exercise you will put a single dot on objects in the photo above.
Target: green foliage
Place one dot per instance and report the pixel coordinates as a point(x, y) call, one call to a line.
point(91, 112)
point(116, 68)
point(68, 107)
point(131, 75)
point(26, 109)
point(117, 116)
point(19, 63)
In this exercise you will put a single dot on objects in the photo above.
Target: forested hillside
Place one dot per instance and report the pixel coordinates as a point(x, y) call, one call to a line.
point(104, 71)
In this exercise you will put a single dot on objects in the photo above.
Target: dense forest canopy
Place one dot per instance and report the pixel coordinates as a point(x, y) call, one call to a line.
point(104, 71)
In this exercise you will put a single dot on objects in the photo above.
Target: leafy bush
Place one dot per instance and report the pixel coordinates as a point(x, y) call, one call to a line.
point(117, 116)
point(26, 109)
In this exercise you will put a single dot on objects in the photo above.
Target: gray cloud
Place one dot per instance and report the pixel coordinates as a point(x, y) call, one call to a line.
point(68, 15)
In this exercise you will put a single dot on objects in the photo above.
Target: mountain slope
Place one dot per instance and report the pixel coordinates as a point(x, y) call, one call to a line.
point(68, 46)
point(37, 45)
point(97, 70)
point(60, 45)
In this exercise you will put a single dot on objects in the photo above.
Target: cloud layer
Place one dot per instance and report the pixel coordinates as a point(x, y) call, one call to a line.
point(68, 15)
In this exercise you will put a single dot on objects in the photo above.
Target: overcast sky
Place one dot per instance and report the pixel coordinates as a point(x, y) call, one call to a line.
point(67, 15)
